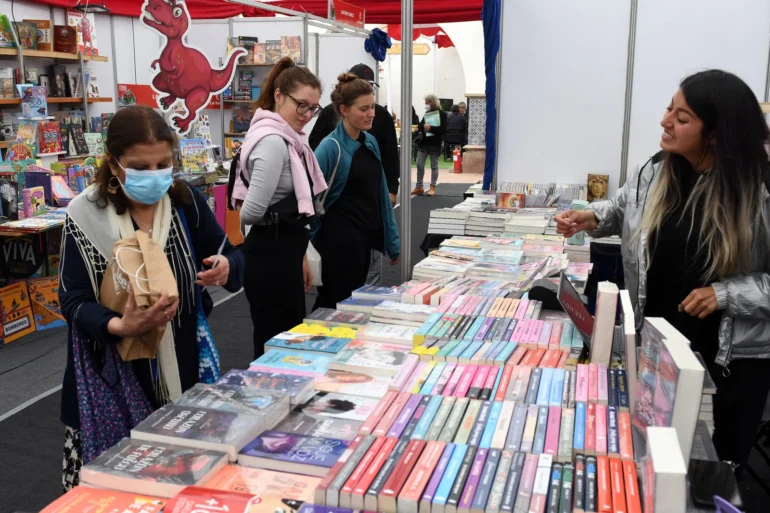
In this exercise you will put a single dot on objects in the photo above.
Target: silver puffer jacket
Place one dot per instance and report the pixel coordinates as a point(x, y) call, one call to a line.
point(744, 298)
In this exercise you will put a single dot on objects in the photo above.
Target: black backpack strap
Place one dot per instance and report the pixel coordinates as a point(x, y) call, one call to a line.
point(231, 178)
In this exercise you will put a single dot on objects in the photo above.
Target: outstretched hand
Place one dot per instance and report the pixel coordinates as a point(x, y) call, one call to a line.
point(570, 222)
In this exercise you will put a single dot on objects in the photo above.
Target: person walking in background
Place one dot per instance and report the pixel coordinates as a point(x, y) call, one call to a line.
point(457, 128)
point(278, 204)
point(358, 212)
point(430, 144)
point(463, 109)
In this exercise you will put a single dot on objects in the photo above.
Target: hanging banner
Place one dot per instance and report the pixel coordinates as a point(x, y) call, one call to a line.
point(346, 13)
point(184, 75)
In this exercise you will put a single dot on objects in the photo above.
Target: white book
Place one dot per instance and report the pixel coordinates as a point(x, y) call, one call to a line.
point(503, 424)
point(449, 213)
point(387, 333)
point(604, 323)
point(629, 336)
point(406, 311)
point(397, 322)
point(664, 473)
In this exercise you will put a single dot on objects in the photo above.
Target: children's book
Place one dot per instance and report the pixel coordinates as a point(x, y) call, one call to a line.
point(44, 34)
point(36, 176)
point(44, 294)
point(50, 137)
point(6, 35)
point(194, 155)
point(34, 201)
point(86, 31)
point(308, 364)
point(28, 133)
point(7, 83)
point(241, 119)
point(33, 102)
point(16, 312)
point(95, 142)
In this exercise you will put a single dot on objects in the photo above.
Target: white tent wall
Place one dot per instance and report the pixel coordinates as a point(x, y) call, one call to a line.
point(562, 100)
point(338, 53)
point(468, 38)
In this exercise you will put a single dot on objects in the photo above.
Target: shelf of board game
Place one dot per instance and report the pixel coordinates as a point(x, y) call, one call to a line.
point(17, 101)
point(52, 55)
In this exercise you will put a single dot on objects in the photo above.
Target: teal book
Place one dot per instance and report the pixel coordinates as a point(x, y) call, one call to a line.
point(544, 391)
point(489, 429)
point(421, 429)
point(475, 327)
point(427, 387)
point(579, 439)
point(506, 353)
point(294, 361)
point(459, 349)
point(428, 324)
point(566, 335)
point(450, 474)
point(557, 387)
point(497, 383)
point(472, 349)
point(444, 351)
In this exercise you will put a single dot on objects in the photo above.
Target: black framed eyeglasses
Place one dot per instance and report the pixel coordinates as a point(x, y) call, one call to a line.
point(304, 107)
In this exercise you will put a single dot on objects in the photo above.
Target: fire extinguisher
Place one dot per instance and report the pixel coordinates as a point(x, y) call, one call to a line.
point(457, 156)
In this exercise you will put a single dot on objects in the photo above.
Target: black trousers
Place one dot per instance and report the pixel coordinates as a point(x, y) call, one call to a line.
point(346, 253)
point(738, 406)
point(273, 280)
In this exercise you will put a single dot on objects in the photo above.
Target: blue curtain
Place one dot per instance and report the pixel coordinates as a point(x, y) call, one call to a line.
point(490, 15)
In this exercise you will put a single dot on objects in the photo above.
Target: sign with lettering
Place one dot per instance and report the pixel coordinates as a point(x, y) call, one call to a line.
point(346, 13)
point(22, 256)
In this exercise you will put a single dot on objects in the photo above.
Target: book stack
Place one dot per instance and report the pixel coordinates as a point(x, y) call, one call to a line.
point(404, 314)
point(484, 223)
point(448, 221)
point(580, 253)
point(436, 267)
point(524, 223)
point(706, 413)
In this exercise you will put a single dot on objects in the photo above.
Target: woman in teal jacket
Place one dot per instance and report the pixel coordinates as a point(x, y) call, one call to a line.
point(358, 213)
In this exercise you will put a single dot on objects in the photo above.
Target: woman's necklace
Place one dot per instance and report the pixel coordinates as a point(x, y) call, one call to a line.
point(145, 226)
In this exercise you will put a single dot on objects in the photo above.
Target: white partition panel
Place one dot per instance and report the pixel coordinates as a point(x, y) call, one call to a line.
point(338, 53)
point(676, 39)
point(563, 86)
point(146, 44)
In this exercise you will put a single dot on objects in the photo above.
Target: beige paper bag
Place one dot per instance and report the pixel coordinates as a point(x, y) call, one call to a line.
point(142, 263)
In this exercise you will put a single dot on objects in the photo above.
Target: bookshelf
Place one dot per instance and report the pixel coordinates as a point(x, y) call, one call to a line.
point(14, 52)
point(235, 134)
point(17, 101)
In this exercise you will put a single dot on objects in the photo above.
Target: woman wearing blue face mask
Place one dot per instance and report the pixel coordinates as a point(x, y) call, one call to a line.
point(135, 191)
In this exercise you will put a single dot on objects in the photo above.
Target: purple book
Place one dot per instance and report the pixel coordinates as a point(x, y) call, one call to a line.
point(473, 479)
point(418, 413)
point(403, 418)
point(483, 330)
point(438, 474)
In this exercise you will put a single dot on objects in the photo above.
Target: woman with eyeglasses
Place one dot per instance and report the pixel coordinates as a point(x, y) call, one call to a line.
point(283, 178)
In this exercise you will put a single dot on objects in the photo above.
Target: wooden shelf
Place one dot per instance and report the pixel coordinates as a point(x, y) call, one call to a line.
point(53, 55)
point(17, 101)
point(234, 134)
point(10, 101)
point(240, 101)
point(5, 144)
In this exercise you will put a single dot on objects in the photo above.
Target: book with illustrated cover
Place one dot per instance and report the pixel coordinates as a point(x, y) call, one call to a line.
point(299, 423)
point(291, 46)
point(405, 311)
point(6, 34)
point(353, 304)
point(241, 118)
point(381, 293)
point(83, 499)
point(353, 383)
point(92, 87)
point(272, 51)
point(33, 102)
point(339, 406)
point(85, 26)
point(9, 199)
point(299, 388)
point(7, 83)
point(296, 361)
point(318, 344)
point(199, 499)
point(44, 34)
point(272, 488)
point(299, 454)
point(329, 317)
point(28, 134)
point(329, 331)
point(65, 39)
point(20, 152)
point(95, 142)
point(157, 469)
point(199, 427)
point(27, 35)
point(50, 137)
point(16, 311)
point(238, 399)
point(194, 155)
point(370, 357)
point(58, 80)
point(78, 138)
point(44, 297)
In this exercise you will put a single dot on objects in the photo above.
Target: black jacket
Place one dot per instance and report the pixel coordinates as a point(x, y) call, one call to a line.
point(457, 124)
point(383, 129)
point(437, 131)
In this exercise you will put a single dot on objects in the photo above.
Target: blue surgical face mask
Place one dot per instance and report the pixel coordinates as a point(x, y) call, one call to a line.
point(147, 187)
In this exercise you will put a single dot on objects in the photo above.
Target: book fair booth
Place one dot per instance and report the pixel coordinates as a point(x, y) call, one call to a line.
point(508, 371)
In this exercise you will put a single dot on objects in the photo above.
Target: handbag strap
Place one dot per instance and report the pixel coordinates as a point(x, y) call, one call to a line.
point(334, 172)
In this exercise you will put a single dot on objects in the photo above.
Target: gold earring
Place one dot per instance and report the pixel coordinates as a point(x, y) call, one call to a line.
point(111, 188)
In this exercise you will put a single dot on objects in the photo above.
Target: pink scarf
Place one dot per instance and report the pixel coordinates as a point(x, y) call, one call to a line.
point(266, 123)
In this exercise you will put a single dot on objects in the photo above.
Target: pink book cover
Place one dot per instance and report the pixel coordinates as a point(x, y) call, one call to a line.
point(581, 386)
point(471, 305)
point(593, 383)
point(506, 381)
point(457, 305)
point(521, 384)
point(410, 295)
point(537, 329)
point(555, 339)
point(383, 426)
point(481, 377)
point(545, 334)
point(552, 430)
point(447, 303)
point(526, 333)
point(524, 494)
point(405, 372)
point(601, 429)
point(601, 390)
point(517, 332)
point(480, 355)
point(522, 309)
point(454, 380)
point(517, 355)
point(443, 379)
point(379, 410)
point(466, 380)
point(590, 436)
point(414, 377)
point(562, 360)
point(492, 376)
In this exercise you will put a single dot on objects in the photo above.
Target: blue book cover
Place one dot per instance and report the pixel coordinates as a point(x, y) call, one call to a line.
point(421, 429)
point(307, 342)
point(623, 401)
point(458, 350)
point(450, 474)
point(613, 442)
point(544, 390)
point(436, 328)
point(428, 324)
point(474, 328)
point(577, 338)
point(557, 387)
point(386, 293)
point(356, 304)
point(506, 352)
point(296, 361)
point(447, 349)
point(427, 387)
point(579, 439)
point(497, 382)
point(298, 449)
point(472, 349)
point(542, 425)
point(516, 429)
point(500, 347)
point(489, 430)
point(566, 335)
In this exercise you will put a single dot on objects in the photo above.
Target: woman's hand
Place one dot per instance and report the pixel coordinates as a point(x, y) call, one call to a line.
point(427, 127)
point(137, 321)
point(572, 221)
point(395, 261)
point(307, 274)
point(216, 275)
point(393, 199)
point(700, 303)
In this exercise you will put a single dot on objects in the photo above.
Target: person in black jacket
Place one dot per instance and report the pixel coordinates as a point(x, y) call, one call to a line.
point(383, 129)
point(430, 144)
point(456, 128)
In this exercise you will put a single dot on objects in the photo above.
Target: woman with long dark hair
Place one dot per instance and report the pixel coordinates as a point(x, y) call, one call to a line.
point(284, 178)
point(696, 243)
point(135, 191)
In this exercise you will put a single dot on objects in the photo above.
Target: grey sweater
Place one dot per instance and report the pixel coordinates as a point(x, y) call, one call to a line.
point(270, 171)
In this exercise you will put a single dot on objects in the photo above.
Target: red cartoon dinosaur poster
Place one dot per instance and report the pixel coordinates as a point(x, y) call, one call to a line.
point(86, 30)
point(183, 72)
